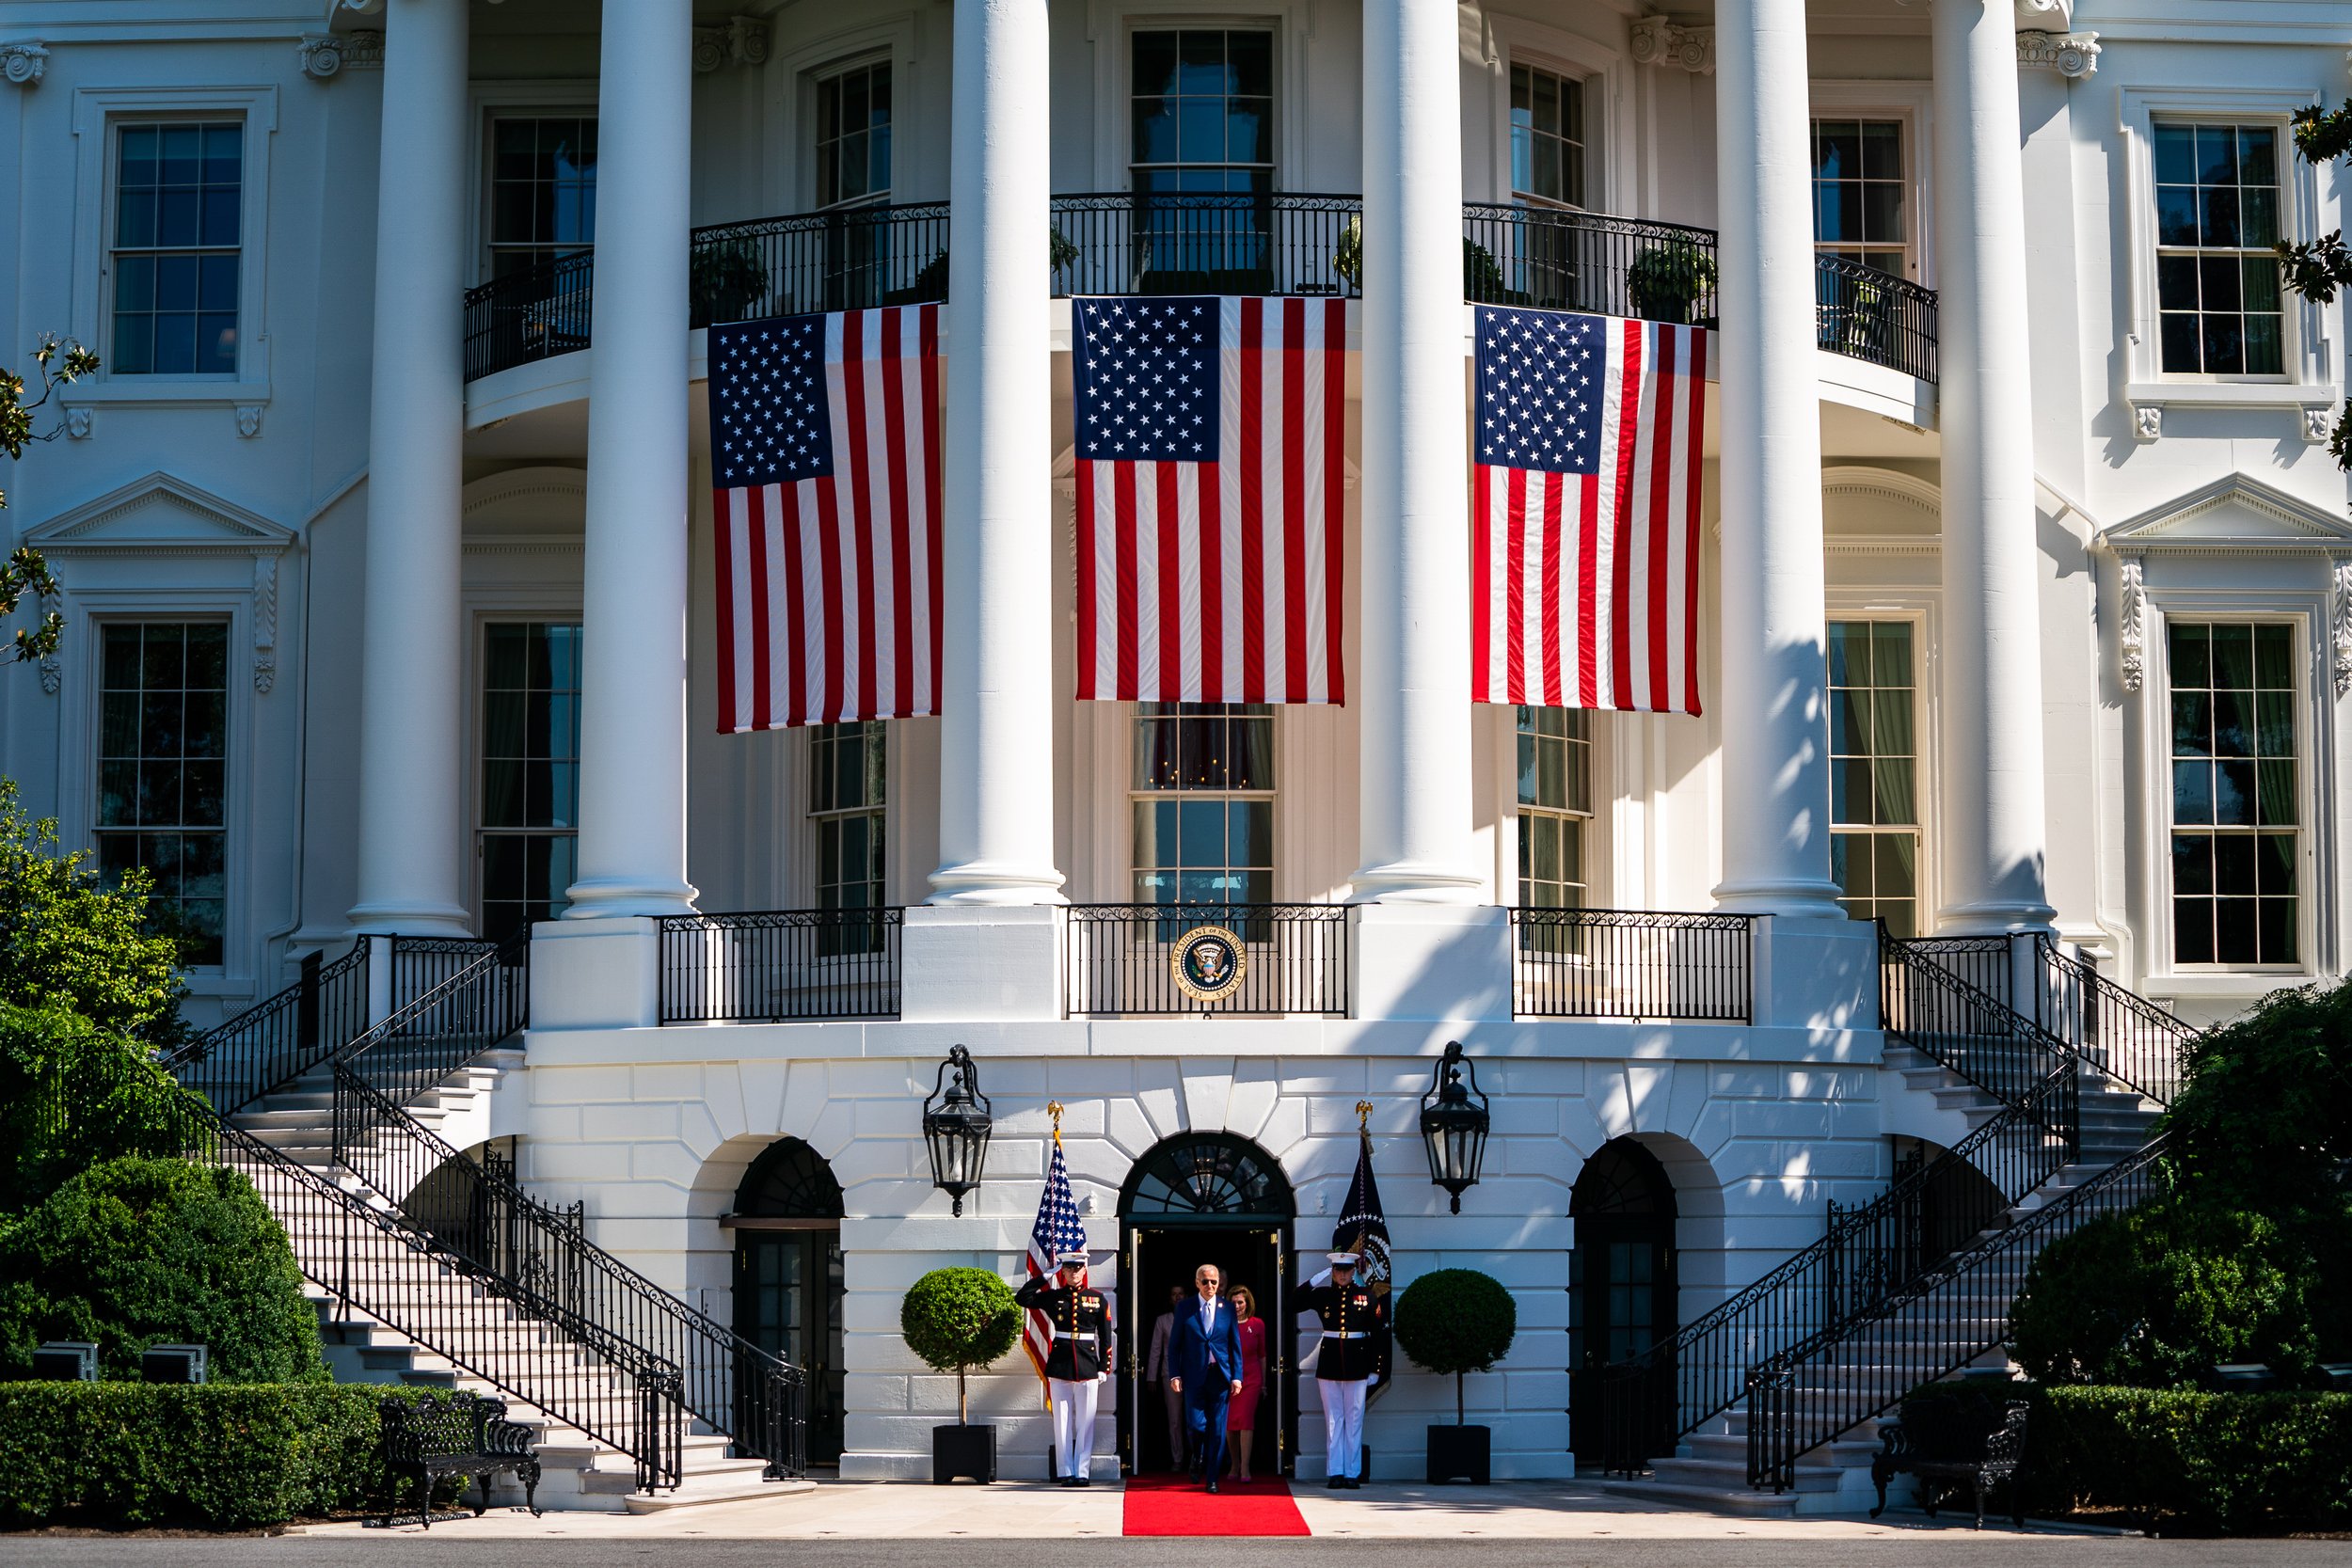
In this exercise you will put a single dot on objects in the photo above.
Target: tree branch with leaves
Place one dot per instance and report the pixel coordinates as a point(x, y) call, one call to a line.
point(2315, 269)
point(59, 362)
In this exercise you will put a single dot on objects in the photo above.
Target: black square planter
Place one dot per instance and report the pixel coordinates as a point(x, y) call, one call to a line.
point(1459, 1454)
point(963, 1452)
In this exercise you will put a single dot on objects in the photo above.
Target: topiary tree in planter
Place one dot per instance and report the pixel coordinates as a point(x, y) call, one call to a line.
point(1456, 1320)
point(960, 1320)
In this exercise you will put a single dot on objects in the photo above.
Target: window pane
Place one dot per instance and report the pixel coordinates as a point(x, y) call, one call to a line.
point(2190, 648)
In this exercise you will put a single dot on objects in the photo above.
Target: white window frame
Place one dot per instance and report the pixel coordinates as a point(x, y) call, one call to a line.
point(1111, 26)
point(1912, 106)
point(806, 836)
point(1915, 610)
point(96, 114)
point(485, 610)
point(1130, 717)
point(787, 178)
point(814, 80)
point(1604, 874)
point(1609, 179)
point(491, 101)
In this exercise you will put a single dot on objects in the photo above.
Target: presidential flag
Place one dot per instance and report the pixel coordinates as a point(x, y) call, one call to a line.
point(1058, 1230)
point(1210, 483)
point(1585, 511)
point(1362, 1228)
point(824, 442)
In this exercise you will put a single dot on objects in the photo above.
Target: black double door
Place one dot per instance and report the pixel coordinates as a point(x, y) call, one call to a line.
point(787, 1302)
point(1157, 1262)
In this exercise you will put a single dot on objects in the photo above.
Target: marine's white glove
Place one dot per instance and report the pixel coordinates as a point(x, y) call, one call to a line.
point(1319, 1282)
point(1373, 1382)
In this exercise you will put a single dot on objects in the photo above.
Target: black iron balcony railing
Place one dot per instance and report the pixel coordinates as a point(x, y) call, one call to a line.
point(1639, 964)
point(1612, 267)
point(780, 965)
point(1120, 960)
point(1875, 316)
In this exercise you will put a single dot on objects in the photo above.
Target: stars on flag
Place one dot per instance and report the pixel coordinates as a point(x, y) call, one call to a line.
point(1147, 378)
point(1538, 404)
point(771, 421)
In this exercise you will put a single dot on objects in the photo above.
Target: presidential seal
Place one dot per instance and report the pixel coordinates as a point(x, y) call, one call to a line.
point(1208, 962)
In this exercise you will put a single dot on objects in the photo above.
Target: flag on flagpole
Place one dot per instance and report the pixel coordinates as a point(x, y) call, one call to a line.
point(826, 471)
point(1364, 1228)
point(1210, 485)
point(1585, 511)
point(1058, 1230)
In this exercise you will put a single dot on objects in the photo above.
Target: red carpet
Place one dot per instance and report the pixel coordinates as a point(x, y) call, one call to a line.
point(1171, 1505)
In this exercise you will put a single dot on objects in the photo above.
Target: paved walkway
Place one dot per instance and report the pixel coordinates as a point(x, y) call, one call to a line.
point(1550, 1511)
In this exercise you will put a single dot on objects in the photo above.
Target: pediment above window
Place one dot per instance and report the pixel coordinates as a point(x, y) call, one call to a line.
point(2235, 512)
point(160, 514)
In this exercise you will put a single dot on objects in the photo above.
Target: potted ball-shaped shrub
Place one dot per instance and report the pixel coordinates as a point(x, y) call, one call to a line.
point(960, 1320)
point(1666, 280)
point(1457, 1321)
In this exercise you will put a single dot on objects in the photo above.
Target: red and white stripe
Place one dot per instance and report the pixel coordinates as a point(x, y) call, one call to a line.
point(829, 589)
point(1220, 582)
point(1584, 587)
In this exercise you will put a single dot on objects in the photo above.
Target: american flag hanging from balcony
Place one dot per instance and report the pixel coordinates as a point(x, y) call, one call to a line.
point(824, 436)
point(1585, 511)
point(1210, 483)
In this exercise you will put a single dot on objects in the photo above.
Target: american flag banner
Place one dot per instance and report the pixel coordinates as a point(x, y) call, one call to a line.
point(1058, 1230)
point(826, 465)
point(1585, 511)
point(1210, 487)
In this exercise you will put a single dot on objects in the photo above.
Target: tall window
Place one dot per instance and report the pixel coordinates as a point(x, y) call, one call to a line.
point(1860, 194)
point(1874, 771)
point(1204, 803)
point(1546, 137)
point(163, 742)
point(530, 774)
point(2234, 807)
point(543, 191)
point(2216, 279)
point(853, 135)
point(1555, 802)
point(1203, 110)
point(846, 794)
point(179, 206)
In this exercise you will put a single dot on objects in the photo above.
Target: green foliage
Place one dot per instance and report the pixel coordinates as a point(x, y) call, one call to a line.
point(1456, 1320)
point(727, 280)
point(1481, 275)
point(1664, 280)
point(957, 1321)
point(25, 572)
point(2265, 1119)
point(2189, 1463)
point(2316, 268)
point(67, 940)
point(232, 1457)
point(73, 1095)
point(138, 1252)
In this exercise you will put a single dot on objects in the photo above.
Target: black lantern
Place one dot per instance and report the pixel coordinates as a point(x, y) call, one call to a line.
point(956, 1125)
point(1453, 1126)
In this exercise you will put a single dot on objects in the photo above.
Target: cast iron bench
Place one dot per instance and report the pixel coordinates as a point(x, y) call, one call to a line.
point(444, 1434)
point(1945, 1451)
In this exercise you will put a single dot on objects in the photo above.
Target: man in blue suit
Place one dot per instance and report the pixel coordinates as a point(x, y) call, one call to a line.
point(1204, 1366)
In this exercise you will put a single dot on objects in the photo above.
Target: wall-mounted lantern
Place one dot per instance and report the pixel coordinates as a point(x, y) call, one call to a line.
point(1454, 1125)
point(956, 1125)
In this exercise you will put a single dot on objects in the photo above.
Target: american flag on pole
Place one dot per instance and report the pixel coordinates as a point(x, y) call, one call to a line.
point(825, 463)
point(1058, 1230)
point(1585, 511)
point(1210, 484)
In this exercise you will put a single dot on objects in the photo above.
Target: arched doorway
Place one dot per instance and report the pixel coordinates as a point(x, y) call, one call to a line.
point(1195, 1198)
point(1621, 1277)
point(787, 1276)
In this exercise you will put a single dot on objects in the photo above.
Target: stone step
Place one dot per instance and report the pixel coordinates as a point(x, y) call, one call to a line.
point(1741, 1500)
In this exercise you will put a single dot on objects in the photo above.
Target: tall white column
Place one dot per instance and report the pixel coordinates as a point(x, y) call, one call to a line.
point(1776, 756)
point(1991, 809)
point(632, 734)
point(996, 715)
point(412, 707)
point(1414, 776)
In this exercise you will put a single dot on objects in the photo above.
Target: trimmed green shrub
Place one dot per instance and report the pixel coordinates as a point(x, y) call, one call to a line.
point(2184, 1462)
point(67, 940)
point(140, 1251)
point(233, 1457)
point(2265, 1119)
point(1456, 1320)
point(959, 1320)
point(73, 1095)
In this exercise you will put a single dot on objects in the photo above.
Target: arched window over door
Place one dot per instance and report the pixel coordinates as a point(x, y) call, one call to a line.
point(1621, 1277)
point(788, 1277)
point(1200, 1175)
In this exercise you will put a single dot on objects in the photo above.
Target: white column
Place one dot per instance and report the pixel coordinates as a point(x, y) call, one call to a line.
point(996, 717)
point(633, 737)
point(1414, 774)
point(1992, 810)
point(412, 707)
point(1775, 760)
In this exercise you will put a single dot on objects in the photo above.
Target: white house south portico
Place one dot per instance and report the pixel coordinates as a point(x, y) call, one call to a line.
point(2011, 757)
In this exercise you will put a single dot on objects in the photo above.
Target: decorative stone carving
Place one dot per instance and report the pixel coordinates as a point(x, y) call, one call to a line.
point(740, 40)
point(22, 64)
point(2319, 425)
point(327, 54)
point(79, 422)
point(1658, 41)
point(52, 665)
point(2148, 421)
point(2134, 629)
point(265, 622)
point(2340, 613)
point(2035, 13)
point(249, 420)
point(2070, 55)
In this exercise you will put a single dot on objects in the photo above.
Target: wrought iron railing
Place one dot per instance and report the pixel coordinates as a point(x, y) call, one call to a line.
point(1632, 964)
point(1938, 1322)
point(468, 998)
point(1867, 314)
point(2119, 1032)
point(781, 965)
point(1650, 1401)
point(1615, 266)
point(1930, 1008)
point(1121, 959)
point(277, 1041)
point(1206, 243)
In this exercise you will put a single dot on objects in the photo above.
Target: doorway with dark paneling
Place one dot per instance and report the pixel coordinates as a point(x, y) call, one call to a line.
point(786, 1223)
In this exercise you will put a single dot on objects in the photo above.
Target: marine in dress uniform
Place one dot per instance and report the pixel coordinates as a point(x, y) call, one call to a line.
point(1078, 1362)
point(1351, 1358)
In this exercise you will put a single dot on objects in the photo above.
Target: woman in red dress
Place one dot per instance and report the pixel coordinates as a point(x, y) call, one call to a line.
point(1241, 1424)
